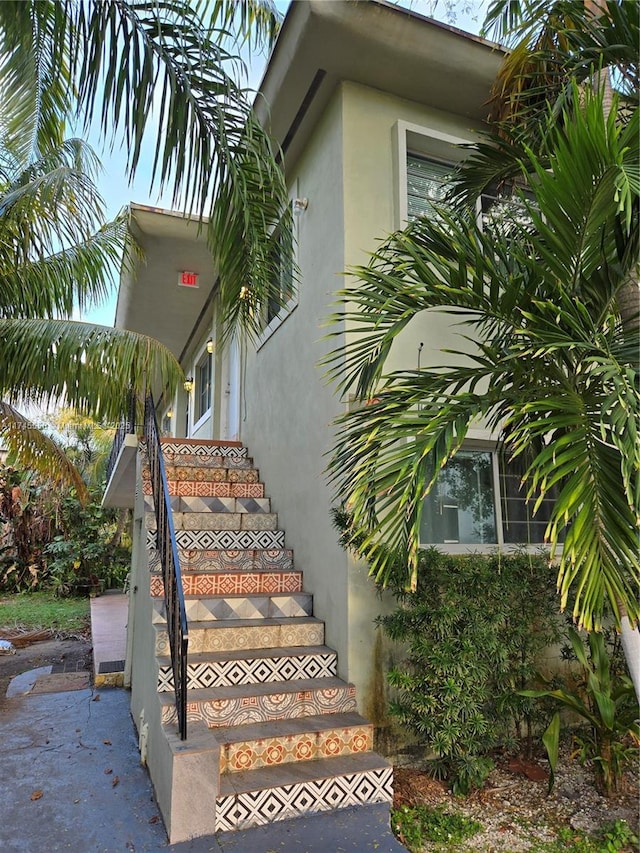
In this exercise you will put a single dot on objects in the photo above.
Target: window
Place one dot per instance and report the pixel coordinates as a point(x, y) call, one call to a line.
point(203, 386)
point(462, 507)
point(282, 255)
point(427, 183)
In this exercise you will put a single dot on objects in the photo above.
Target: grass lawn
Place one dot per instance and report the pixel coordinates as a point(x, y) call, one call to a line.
point(39, 610)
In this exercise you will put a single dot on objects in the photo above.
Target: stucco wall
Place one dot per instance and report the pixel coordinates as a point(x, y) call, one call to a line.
point(286, 408)
point(350, 173)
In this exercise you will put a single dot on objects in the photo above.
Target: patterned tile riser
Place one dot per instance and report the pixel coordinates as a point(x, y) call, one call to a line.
point(271, 752)
point(208, 475)
point(249, 607)
point(261, 709)
point(218, 560)
point(188, 449)
point(233, 583)
point(231, 673)
point(184, 460)
point(229, 639)
point(257, 808)
point(194, 488)
point(200, 521)
point(224, 540)
point(195, 504)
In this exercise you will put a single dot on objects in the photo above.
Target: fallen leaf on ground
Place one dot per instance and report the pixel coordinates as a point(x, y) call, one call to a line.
point(116, 780)
point(96, 698)
point(108, 770)
point(154, 819)
point(106, 742)
point(36, 795)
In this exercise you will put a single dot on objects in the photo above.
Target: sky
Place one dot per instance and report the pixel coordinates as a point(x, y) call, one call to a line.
point(117, 191)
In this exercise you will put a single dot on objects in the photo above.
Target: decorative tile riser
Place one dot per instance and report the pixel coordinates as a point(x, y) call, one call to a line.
point(228, 639)
point(257, 808)
point(272, 752)
point(178, 447)
point(193, 488)
point(224, 540)
point(181, 473)
point(182, 460)
point(239, 711)
point(249, 560)
point(249, 607)
point(233, 583)
point(218, 521)
point(195, 504)
point(231, 673)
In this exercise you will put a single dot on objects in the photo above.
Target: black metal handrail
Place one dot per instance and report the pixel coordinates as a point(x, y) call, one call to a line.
point(177, 627)
point(127, 426)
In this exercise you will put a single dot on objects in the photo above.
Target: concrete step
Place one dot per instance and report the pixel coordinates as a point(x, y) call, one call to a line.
point(232, 583)
point(220, 608)
point(259, 703)
point(270, 794)
point(224, 540)
point(251, 666)
point(280, 742)
point(202, 447)
point(236, 634)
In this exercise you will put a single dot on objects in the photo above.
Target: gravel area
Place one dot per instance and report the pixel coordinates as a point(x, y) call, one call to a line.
point(515, 810)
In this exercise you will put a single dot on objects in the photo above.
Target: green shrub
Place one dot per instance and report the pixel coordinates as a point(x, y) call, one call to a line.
point(473, 629)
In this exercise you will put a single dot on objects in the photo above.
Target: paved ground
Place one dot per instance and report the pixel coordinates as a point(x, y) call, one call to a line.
point(71, 781)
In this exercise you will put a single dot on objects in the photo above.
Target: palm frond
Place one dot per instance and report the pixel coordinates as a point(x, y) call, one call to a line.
point(36, 451)
point(82, 365)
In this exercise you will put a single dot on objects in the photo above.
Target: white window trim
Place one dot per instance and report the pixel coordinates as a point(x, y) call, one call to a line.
point(192, 395)
point(422, 141)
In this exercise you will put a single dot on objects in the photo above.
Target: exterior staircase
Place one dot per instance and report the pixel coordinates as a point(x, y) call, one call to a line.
point(259, 674)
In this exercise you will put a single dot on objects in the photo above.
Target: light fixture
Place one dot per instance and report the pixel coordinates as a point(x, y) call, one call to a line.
point(210, 346)
point(300, 205)
point(169, 413)
point(188, 385)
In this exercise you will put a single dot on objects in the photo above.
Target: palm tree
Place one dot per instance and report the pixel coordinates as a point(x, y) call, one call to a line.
point(554, 370)
point(117, 60)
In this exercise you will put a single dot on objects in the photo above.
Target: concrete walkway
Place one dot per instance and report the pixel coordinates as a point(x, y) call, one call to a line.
point(72, 781)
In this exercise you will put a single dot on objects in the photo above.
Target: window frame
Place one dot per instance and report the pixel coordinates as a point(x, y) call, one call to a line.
point(285, 311)
point(200, 419)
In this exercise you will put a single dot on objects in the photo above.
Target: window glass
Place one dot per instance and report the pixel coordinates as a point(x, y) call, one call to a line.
point(460, 507)
point(284, 283)
point(427, 183)
point(203, 386)
point(519, 525)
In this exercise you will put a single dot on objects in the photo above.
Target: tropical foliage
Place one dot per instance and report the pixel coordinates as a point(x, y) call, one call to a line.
point(146, 71)
point(605, 703)
point(544, 359)
point(553, 361)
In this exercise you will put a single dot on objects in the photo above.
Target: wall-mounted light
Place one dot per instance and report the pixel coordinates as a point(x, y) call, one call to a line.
point(169, 413)
point(210, 346)
point(188, 385)
point(300, 205)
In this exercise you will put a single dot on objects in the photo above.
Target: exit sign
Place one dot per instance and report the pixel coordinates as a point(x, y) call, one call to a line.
point(188, 279)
